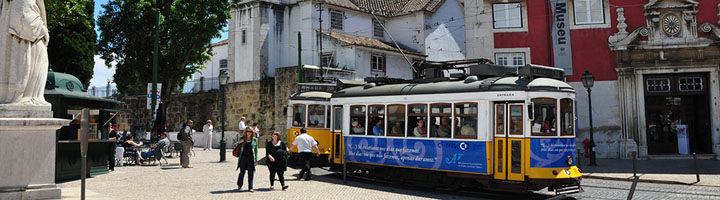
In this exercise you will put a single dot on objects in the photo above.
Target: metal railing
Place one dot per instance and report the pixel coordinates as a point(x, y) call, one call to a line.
point(102, 91)
point(201, 84)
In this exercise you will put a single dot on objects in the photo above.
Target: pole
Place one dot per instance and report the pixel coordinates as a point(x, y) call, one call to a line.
point(697, 173)
point(321, 36)
point(84, 129)
point(300, 71)
point(634, 155)
point(155, 66)
point(592, 138)
point(222, 120)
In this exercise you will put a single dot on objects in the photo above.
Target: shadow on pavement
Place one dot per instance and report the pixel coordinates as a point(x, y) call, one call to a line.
point(227, 191)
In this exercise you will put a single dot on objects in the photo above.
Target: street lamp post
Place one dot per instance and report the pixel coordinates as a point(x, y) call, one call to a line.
point(223, 79)
point(588, 81)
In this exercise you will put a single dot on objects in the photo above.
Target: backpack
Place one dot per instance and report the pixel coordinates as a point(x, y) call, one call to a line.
point(181, 135)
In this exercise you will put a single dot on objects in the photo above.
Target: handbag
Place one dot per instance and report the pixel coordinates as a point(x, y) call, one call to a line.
point(236, 151)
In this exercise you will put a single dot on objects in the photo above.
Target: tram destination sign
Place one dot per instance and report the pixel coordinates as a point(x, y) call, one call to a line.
point(538, 71)
point(324, 87)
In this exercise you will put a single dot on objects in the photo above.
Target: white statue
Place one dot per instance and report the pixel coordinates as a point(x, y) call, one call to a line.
point(23, 52)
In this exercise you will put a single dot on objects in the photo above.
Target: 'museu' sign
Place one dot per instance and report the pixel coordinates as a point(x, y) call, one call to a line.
point(562, 51)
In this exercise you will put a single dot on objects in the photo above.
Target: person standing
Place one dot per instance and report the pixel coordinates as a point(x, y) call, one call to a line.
point(241, 124)
point(112, 136)
point(276, 152)
point(248, 158)
point(185, 136)
point(305, 144)
point(208, 131)
point(256, 129)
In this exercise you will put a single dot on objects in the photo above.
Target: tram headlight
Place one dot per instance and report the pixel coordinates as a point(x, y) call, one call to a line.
point(569, 161)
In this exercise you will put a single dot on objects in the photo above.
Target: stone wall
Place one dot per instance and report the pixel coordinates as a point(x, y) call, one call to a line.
point(261, 101)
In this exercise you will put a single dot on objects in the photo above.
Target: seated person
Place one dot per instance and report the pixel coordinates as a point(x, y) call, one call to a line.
point(379, 129)
point(357, 128)
point(467, 129)
point(444, 129)
point(433, 127)
point(157, 147)
point(129, 152)
point(420, 130)
point(397, 129)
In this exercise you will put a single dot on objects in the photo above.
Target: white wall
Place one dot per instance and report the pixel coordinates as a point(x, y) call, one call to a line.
point(242, 54)
point(445, 40)
point(606, 117)
point(408, 31)
point(478, 30)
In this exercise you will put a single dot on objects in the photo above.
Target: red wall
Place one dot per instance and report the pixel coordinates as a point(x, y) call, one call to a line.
point(590, 46)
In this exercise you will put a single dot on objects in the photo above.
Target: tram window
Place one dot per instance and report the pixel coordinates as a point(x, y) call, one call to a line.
point(417, 117)
point(396, 120)
point(316, 118)
point(338, 118)
point(376, 117)
point(516, 119)
point(357, 120)
point(327, 117)
point(466, 116)
point(500, 120)
point(440, 123)
point(545, 117)
point(566, 117)
point(298, 115)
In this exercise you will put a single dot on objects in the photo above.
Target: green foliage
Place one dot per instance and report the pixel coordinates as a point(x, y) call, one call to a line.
point(186, 28)
point(72, 37)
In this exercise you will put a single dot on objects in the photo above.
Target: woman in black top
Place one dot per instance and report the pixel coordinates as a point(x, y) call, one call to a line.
point(276, 152)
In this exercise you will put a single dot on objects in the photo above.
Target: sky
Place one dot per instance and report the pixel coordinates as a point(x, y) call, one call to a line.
point(101, 71)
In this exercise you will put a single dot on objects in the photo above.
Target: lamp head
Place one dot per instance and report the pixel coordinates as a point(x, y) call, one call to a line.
point(588, 80)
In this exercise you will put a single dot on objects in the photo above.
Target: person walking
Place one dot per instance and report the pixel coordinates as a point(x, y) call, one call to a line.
point(248, 158)
point(208, 131)
point(241, 124)
point(257, 130)
point(185, 136)
point(305, 144)
point(276, 153)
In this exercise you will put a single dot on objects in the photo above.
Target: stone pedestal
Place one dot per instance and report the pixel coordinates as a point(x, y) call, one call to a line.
point(27, 152)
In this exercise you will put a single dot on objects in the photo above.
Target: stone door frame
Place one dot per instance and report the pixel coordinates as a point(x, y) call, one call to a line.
point(639, 97)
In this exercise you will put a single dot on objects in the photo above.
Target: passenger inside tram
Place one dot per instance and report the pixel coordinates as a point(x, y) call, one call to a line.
point(444, 128)
point(468, 129)
point(433, 127)
point(378, 129)
point(357, 128)
point(420, 130)
point(397, 129)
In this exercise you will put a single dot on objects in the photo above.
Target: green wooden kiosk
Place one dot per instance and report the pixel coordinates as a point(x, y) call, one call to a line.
point(68, 97)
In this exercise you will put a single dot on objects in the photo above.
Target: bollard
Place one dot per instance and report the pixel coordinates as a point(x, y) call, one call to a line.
point(697, 173)
point(634, 156)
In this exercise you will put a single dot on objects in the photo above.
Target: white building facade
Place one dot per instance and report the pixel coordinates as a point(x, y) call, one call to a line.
point(343, 34)
point(207, 78)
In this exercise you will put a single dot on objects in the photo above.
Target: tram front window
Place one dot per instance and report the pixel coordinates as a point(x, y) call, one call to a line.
point(417, 117)
point(567, 119)
point(317, 116)
point(298, 115)
point(545, 117)
point(357, 120)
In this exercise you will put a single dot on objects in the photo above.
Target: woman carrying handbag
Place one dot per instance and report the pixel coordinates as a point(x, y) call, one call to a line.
point(276, 153)
point(247, 159)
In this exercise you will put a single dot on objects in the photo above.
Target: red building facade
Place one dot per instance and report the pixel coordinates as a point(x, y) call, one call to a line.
point(652, 60)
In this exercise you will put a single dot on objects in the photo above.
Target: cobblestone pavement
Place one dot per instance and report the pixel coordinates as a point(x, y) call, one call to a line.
point(212, 180)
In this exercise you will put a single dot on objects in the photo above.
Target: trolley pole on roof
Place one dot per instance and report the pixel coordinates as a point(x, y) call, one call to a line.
point(300, 74)
point(155, 67)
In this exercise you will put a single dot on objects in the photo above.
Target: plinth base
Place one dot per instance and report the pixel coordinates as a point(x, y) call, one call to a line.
point(32, 193)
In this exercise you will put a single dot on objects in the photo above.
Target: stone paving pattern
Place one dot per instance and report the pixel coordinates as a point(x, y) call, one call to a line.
point(212, 180)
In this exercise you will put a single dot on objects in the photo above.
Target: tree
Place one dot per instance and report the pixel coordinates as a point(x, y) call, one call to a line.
point(127, 38)
point(72, 37)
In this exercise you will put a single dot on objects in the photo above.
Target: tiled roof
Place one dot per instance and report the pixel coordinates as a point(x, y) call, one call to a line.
point(367, 42)
point(388, 8)
point(223, 42)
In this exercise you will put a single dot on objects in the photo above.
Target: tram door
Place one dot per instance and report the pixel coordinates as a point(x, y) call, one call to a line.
point(508, 142)
point(336, 151)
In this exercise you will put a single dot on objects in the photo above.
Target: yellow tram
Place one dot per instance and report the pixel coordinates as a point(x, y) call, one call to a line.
point(310, 110)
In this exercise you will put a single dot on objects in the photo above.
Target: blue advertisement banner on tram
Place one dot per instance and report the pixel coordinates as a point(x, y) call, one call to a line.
point(461, 156)
point(551, 152)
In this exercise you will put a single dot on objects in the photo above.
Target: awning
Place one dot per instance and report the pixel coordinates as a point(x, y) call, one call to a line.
point(114, 110)
point(78, 96)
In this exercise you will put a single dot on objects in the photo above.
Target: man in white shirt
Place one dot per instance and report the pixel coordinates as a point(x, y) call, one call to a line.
point(207, 130)
point(241, 124)
point(305, 144)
